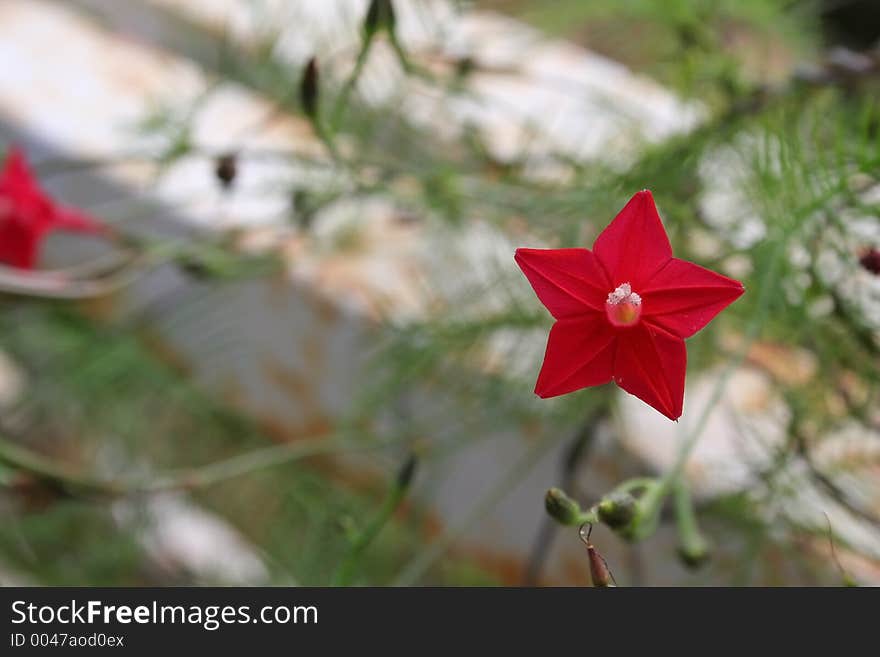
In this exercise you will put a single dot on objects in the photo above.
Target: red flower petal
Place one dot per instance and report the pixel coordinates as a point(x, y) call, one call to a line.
point(570, 282)
point(74, 220)
point(18, 245)
point(28, 214)
point(580, 353)
point(634, 246)
point(588, 345)
point(16, 174)
point(650, 364)
point(683, 297)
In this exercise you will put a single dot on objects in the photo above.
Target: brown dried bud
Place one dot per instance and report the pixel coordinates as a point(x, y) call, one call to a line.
point(599, 572)
point(308, 89)
point(407, 472)
point(465, 66)
point(870, 260)
point(226, 169)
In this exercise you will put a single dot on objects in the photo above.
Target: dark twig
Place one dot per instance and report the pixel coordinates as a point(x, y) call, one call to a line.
point(844, 575)
point(577, 453)
point(832, 489)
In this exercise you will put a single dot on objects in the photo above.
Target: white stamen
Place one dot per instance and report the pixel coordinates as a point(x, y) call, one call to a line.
point(624, 293)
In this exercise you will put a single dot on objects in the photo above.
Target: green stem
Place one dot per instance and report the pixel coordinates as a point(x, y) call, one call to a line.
point(400, 52)
point(637, 483)
point(74, 481)
point(326, 137)
point(22, 459)
point(344, 95)
point(587, 517)
point(693, 546)
point(362, 541)
point(651, 502)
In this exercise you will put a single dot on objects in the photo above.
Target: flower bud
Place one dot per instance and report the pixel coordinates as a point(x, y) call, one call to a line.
point(407, 472)
point(617, 510)
point(693, 547)
point(599, 572)
point(464, 67)
point(695, 553)
point(308, 89)
point(226, 169)
point(561, 507)
point(380, 15)
point(870, 260)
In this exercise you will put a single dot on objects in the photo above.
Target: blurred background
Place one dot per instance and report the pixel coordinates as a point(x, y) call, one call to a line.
point(305, 355)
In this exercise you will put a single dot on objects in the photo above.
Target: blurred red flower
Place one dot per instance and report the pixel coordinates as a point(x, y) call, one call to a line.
point(28, 215)
point(624, 309)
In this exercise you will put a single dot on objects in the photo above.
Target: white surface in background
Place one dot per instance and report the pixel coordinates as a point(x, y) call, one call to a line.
point(269, 331)
point(530, 96)
point(745, 427)
point(181, 536)
point(88, 97)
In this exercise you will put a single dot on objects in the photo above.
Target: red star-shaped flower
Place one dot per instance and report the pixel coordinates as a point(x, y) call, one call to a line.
point(624, 309)
point(28, 215)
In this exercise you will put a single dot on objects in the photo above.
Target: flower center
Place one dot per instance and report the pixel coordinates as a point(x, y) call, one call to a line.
point(623, 306)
